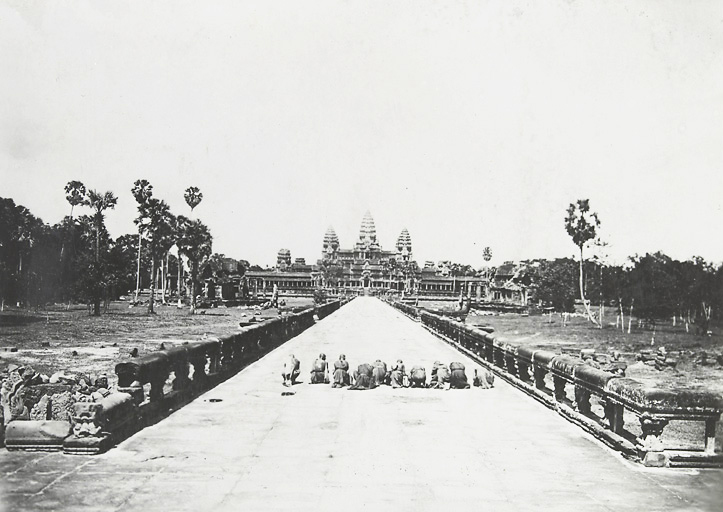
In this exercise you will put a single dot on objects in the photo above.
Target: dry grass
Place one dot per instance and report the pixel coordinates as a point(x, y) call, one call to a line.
point(72, 340)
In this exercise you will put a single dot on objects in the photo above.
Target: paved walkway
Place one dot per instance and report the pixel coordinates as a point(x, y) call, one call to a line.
point(333, 449)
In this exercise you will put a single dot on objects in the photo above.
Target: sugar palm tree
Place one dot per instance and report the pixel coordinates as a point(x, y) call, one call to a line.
point(99, 202)
point(142, 192)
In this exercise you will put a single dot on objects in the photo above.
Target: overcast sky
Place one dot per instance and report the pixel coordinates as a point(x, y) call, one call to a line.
point(472, 124)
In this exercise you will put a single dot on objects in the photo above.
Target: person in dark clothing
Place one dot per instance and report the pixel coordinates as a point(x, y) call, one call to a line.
point(418, 377)
point(458, 377)
point(364, 377)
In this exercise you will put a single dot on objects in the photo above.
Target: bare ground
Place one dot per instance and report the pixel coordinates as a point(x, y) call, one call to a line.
point(71, 340)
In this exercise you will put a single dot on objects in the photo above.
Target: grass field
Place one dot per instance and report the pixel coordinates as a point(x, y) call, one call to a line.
point(73, 341)
point(579, 333)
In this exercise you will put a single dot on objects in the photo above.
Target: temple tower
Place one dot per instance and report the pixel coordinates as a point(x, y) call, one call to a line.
point(331, 244)
point(404, 246)
point(367, 235)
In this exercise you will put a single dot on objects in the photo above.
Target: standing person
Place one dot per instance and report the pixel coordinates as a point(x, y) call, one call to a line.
point(341, 372)
point(418, 377)
point(398, 374)
point(291, 370)
point(364, 377)
point(458, 377)
point(320, 371)
point(380, 372)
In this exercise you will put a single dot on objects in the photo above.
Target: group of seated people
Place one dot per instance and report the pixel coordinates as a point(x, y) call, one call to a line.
point(369, 376)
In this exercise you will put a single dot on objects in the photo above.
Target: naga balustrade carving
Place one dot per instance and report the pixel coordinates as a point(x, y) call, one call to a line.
point(527, 369)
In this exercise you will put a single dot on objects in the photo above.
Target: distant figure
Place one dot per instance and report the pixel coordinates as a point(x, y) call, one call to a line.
point(440, 376)
point(320, 371)
point(291, 370)
point(364, 377)
point(418, 377)
point(484, 379)
point(341, 373)
point(275, 297)
point(379, 374)
point(458, 377)
point(398, 375)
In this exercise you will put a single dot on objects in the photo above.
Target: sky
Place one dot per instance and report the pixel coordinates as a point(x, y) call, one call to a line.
point(472, 124)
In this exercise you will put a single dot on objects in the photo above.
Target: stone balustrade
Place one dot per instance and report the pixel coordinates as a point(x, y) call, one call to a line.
point(567, 384)
point(153, 385)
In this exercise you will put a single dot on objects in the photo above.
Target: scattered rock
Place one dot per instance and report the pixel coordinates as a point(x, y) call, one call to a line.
point(45, 344)
point(134, 352)
point(74, 353)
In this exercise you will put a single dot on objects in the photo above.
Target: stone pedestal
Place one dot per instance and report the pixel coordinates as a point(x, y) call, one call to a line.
point(652, 445)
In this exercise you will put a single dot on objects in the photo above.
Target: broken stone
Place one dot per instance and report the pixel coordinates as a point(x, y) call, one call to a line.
point(62, 406)
point(41, 410)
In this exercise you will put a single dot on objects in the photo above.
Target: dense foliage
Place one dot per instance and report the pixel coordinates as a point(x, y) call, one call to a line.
point(77, 260)
point(654, 285)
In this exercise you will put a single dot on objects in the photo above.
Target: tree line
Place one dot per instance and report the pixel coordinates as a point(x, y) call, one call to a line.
point(652, 286)
point(76, 260)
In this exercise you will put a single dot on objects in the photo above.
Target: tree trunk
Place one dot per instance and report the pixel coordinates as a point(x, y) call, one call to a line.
point(582, 293)
point(622, 315)
point(193, 287)
point(178, 283)
point(630, 319)
point(164, 272)
point(602, 306)
point(138, 266)
point(153, 286)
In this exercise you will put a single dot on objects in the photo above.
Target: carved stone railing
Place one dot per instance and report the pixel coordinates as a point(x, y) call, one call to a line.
point(568, 384)
point(152, 386)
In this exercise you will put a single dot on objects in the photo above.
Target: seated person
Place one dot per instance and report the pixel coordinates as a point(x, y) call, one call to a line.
point(398, 375)
point(364, 377)
point(341, 373)
point(291, 370)
point(458, 377)
point(418, 377)
point(320, 371)
point(440, 376)
point(484, 379)
point(379, 373)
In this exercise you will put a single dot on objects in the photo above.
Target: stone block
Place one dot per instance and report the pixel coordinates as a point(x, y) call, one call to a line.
point(42, 435)
point(655, 459)
point(592, 378)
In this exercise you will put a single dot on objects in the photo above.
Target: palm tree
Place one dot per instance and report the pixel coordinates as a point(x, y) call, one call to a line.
point(99, 202)
point(142, 191)
point(193, 197)
point(195, 244)
point(74, 194)
point(158, 229)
